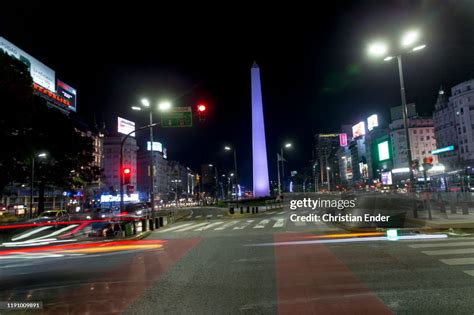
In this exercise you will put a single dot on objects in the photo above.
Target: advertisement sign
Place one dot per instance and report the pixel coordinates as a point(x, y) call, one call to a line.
point(343, 139)
point(67, 92)
point(126, 198)
point(442, 150)
point(40, 73)
point(157, 146)
point(372, 122)
point(384, 151)
point(387, 178)
point(125, 126)
point(358, 130)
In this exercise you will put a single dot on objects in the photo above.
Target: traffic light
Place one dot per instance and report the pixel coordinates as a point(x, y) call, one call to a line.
point(127, 173)
point(428, 162)
point(201, 109)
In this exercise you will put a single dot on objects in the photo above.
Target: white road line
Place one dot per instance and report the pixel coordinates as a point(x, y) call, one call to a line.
point(261, 224)
point(198, 216)
point(219, 215)
point(174, 228)
point(458, 261)
point(191, 227)
point(469, 272)
point(271, 212)
point(443, 244)
point(243, 226)
point(279, 223)
point(225, 226)
point(449, 251)
point(34, 231)
point(282, 212)
point(210, 225)
point(209, 216)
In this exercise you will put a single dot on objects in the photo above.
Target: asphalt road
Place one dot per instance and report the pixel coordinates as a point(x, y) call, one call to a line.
point(260, 264)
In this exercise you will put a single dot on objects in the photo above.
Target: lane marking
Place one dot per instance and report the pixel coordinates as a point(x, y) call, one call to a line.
point(191, 227)
point(458, 261)
point(209, 216)
point(279, 223)
point(282, 212)
point(174, 228)
point(219, 215)
point(243, 226)
point(261, 224)
point(449, 251)
point(225, 226)
point(469, 272)
point(198, 216)
point(209, 226)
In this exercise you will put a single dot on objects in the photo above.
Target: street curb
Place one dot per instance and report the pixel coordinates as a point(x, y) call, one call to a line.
point(139, 236)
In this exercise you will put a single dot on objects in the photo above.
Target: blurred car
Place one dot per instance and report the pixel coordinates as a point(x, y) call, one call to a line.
point(105, 213)
point(52, 216)
point(136, 210)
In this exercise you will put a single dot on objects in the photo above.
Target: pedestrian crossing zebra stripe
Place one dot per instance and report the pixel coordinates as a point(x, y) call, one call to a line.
point(198, 216)
point(457, 251)
point(279, 223)
point(442, 244)
point(469, 272)
point(209, 216)
point(225, 226)
point(210, 225)
point(243, 226)
point(174, 228)
point(191, 227)
point(458, 261)
point(261, 224)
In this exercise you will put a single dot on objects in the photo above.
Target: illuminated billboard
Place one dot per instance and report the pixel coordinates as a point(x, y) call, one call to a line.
point(343, 139)
point(442, 150)
point(68, 93)
point(40, 73)
point(372, 122)
point(387, 178)
point(358, 130)
point(125, 126)
point(157, 146)
point(384, 150)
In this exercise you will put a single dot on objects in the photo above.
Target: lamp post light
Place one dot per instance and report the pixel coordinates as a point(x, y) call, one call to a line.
point(281, 158)
point(40, 155)
point(327, 175)
point(228, 148)
point(162, 106)
point(408, 44)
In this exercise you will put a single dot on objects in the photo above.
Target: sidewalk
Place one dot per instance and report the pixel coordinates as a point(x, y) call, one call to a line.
point(443, 220)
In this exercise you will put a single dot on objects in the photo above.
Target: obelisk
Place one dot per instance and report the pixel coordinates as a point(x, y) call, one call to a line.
point(261, 185)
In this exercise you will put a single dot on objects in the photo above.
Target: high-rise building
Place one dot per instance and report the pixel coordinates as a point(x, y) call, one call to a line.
point(161, 173)
point(326, 145)
point(111, 162)
point(446, 130)
point(462, 101)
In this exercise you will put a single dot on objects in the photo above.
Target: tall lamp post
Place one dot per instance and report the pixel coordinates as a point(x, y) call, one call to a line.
point(162, 106)
point(409, 43)
point(40, 155)
point(282, 159)
point(228, 148)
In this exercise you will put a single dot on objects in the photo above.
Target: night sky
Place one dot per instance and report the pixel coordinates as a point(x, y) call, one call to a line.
point(314, 68)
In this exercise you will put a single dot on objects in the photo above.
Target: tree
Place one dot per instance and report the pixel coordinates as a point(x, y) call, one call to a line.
point(29, 126)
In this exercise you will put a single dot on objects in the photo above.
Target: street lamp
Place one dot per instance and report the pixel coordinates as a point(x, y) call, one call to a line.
point(228, 148)
point(327, 175)
point(379, 49)
point(162, 106)
point(40, 155)
point(280, 158)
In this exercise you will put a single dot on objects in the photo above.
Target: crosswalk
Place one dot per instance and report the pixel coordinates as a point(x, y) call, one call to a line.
point(452, 253)
point(257, 224)
point(218, 216)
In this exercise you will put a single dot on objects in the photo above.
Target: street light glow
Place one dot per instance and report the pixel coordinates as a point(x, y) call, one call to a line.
point(165, 105)
point(418, 47)
point(210, 165)
point(377, 49)
point(288, 145)
point(388, 58)
point(145, 102)
point(231, 174)
point(136, 108)
point(409, 38)
point(42, 155)
point(227, 148)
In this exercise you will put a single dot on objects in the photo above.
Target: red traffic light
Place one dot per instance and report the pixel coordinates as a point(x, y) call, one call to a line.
point(127, 171)
point(202, 108)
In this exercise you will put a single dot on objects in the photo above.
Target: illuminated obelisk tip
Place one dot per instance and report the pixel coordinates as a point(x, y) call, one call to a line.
point(261, 185)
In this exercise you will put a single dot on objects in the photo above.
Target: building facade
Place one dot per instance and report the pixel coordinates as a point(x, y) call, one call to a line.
point(462, 101)
point(111, 162)
point(326, 145)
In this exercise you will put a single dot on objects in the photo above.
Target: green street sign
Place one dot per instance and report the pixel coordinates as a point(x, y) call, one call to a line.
point(177, 117)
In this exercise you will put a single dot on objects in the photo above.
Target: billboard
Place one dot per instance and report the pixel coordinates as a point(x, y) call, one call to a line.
point(343, 139)
point(372, 122)
point(40, 73)
point(442, 150)
point(358, 130)
point(125, 126)
point(384, 150)
point(157, 146)
point(67, 92)
point(387, 178)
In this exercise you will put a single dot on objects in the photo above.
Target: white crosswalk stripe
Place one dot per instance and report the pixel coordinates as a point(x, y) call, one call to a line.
point(469, 272)
point(449, 252)
point(210, 225)
point(209, 216)
point(243, 226)
point(174, 228)
point(261, 224)
point(191, 227)
point(225, 226)
point(279, 223)
point(458, 261)
point(442, 244)
point(198, 216)
point(282, 212)
point(219, 215)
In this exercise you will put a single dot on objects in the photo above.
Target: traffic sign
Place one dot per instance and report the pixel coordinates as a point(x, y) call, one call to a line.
point(177, 117)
